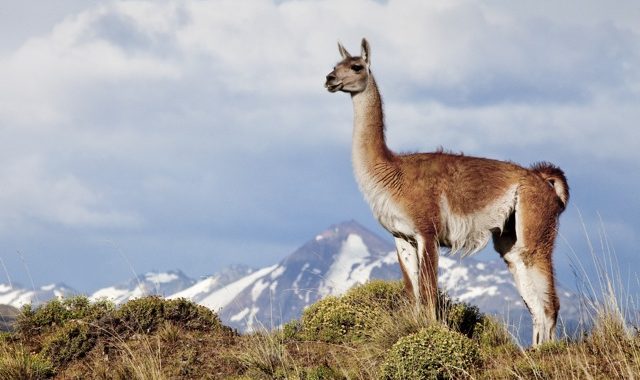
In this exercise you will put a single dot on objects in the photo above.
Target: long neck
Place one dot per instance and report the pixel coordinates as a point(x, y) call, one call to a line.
point(369, 146)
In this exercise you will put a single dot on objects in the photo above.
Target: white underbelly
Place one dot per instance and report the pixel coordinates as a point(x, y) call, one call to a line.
point(469, 233)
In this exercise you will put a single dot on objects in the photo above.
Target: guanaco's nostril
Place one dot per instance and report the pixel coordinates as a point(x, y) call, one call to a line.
point(330, 77)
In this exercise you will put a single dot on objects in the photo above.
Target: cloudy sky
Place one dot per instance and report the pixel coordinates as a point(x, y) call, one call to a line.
point(140, 135)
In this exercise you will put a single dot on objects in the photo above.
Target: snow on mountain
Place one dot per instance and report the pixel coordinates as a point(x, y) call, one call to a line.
point(15, 295)
point(214, 294)
point(151, 283)
point(171, 284)
point(345, 255)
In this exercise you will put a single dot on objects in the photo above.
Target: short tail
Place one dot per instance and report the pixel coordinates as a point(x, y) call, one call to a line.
point(556, 179)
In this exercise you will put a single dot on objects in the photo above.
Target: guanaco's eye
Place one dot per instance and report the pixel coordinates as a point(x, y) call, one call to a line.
point(357, 68)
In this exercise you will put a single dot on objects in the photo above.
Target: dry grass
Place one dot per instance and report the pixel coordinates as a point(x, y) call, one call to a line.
point(16, 362)
point(264, 355)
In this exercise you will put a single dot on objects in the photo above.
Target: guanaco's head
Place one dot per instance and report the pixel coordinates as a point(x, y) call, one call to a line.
point(352, 73)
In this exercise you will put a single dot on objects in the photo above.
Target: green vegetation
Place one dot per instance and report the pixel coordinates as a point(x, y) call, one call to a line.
point(71, 341)
point(56, 312)
point(16, 362)
point(353, 316)
point(371, 332)
point(435, 352)
point(146, 315)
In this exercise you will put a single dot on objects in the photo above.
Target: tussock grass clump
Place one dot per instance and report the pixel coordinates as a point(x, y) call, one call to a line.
point(264, 355)
point(493, 337)
point(434, 352)
point(16, 362)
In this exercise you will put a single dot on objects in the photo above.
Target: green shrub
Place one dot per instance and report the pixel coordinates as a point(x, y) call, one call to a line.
point(142, 315)
point(350, 317)
point(70, 342)
point(291, 329)
point(462, 317)
point(33, 321)
point(147, 314)
point(434, 352)
point(190, 315)
point(331, 320)
point(386, 295)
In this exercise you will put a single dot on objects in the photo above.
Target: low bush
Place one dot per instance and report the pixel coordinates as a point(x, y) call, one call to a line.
point(332, 320)
point(434, 352)
point(386, 295)
point(33, 321)
point(70, 342)
point(462, 317)
point(353, 316)
point(147, 314)
point(291, 330)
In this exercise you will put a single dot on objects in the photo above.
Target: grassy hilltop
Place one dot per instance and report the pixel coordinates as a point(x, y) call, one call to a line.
point(372, 332)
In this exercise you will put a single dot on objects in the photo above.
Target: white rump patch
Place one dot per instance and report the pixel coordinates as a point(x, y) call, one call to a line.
point(470, 233)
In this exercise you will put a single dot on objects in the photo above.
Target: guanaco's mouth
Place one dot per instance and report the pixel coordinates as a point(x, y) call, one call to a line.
point(333, 87)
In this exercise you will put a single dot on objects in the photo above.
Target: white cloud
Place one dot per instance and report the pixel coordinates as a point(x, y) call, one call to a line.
point(30, 195)
point(191, 115)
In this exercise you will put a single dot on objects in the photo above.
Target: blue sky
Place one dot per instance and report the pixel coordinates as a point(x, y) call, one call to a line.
point(140, 135)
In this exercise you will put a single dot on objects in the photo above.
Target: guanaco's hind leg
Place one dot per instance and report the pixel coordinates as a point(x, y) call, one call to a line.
point(526, 246)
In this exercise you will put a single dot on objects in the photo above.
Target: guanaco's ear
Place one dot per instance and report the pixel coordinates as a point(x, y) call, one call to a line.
point(343, 52)
point(366, 51)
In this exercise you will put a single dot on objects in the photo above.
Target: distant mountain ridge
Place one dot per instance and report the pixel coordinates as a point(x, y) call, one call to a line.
point(151, 283)
point(16, 295)
point(330, 263)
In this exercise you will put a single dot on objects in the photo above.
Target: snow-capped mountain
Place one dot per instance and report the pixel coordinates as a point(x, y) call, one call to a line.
point(16, 295)
point(169, 283)
point(151, 283)
point(328, 264)
point(342, 256)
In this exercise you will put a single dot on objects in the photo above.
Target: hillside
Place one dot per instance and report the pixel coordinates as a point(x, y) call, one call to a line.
point(371, 332)
point(8, 316)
